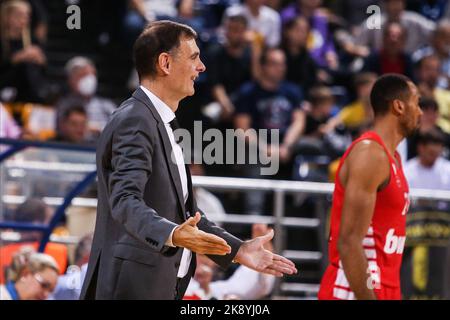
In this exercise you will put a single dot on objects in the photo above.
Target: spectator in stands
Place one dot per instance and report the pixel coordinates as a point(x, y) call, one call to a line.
point(429, 170)
point(73, 125)
point(269, 103)
point(22, 60)
point(428, 73)
point(439, 46)
point(34, 211)
point(391, 58)
point(8, 127)
point(301, 68)
point(320, 39)
point(82, 81)
point(419, 28)
point(359, 112)
point(141, 12)
point(317, 114)
point(31, 276)
point(243, 284)
point(261, 19)
point(230, 64)
point(69, 284)
point(428, 122)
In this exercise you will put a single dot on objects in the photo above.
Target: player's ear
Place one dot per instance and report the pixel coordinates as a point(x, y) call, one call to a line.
point(398, 107)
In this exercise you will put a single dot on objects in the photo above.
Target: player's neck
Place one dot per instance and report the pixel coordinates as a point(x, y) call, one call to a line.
point(391, 138)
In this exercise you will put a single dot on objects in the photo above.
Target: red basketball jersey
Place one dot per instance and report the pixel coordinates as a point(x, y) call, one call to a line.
point(385, 238)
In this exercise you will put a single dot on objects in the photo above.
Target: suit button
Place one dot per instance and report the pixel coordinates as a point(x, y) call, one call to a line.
point(177, 265)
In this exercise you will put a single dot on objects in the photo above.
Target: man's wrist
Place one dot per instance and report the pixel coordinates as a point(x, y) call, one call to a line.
point(169, 241)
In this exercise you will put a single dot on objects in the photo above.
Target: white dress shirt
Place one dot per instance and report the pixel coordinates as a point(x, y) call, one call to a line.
point(168, 115)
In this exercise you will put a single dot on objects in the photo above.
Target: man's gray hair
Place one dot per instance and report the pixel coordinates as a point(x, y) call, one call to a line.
point(77, 62)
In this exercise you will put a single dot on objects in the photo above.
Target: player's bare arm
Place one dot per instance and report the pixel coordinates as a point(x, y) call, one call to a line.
point(364, 172)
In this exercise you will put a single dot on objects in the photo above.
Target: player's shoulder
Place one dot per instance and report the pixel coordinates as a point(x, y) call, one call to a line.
point(368, 154)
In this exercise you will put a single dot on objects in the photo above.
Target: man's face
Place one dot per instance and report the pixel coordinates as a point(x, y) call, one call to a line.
point(429, 71)
point(429, 117)
point(185, 68)
point(19, 18)
point(298, 34)
point(410, 119)
point(441, 41)
point(429, 152)
point(235, 33)
point(78, 75)
point(394, 39)
point(74, 127)
point(275, 67)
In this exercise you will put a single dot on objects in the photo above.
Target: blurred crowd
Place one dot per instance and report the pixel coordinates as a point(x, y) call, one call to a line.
point(305, 67)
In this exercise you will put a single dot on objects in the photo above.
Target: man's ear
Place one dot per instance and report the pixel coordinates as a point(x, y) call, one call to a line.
point(164, 62)
point(398, 107)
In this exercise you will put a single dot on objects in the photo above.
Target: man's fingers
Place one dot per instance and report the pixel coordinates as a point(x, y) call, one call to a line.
point(277, 257)
point(283, 267)
point(272, 272)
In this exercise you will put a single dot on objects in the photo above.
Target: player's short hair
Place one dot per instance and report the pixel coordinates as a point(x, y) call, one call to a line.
point(158, 37)
point(386, 89)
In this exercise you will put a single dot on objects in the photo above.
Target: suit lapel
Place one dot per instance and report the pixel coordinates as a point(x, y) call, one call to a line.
point(173, 169)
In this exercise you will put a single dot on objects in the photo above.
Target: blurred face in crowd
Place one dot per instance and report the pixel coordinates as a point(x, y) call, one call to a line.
point(429, 117)
point(394, 8)
point(37, 286)
point(429, 71)
point(274, 68)
point(83, 80)
point(297, 34)
point(394, 39)
point(74, 127)
point(429, 152)
point(18, 18)
point(235, 33)
point(441, 39)
point(185, 66)
point(410, 119)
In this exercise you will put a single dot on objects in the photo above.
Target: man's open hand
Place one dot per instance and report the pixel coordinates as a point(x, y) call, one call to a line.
point(190, 237)
point(253, 255)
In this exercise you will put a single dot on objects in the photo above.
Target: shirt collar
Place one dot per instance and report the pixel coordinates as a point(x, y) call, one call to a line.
point(163, 109)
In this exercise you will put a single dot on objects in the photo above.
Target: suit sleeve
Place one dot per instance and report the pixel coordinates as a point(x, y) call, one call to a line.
point(235, 243)
point(131, 166)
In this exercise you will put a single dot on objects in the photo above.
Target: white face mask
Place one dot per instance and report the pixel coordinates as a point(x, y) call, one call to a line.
point(87, 85)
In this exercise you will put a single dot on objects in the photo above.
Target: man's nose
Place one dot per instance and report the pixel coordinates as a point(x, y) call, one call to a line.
point(201, 67)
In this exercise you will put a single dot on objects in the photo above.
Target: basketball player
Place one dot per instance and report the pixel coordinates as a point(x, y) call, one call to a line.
point(370, 200)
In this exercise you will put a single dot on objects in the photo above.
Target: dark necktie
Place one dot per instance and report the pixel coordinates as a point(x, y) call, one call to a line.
point(175, 125)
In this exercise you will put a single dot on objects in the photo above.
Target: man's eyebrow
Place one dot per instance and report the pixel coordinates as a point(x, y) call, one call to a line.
point(195, 54)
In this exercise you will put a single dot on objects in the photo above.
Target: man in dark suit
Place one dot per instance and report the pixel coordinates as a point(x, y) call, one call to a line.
point(146, 233)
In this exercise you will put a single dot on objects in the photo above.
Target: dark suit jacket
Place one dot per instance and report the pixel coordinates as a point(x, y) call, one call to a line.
point(140, 200)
